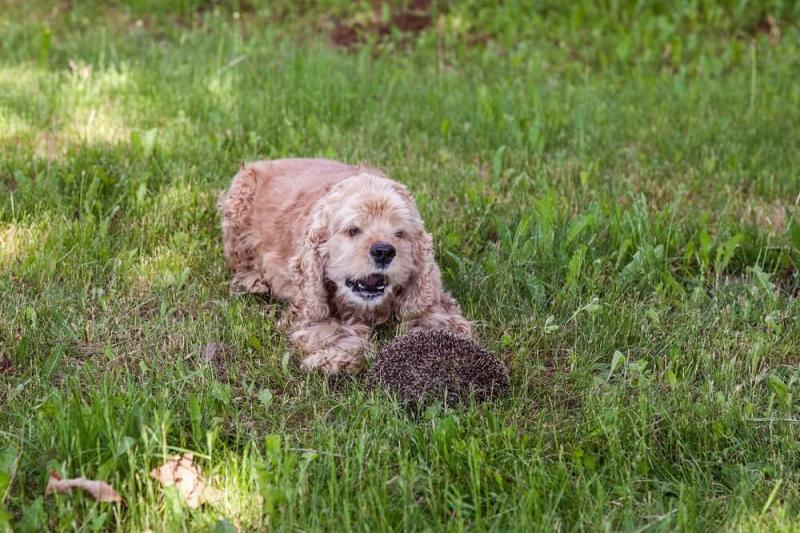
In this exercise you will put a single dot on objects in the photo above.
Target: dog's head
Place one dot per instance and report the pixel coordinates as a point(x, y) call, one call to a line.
point(365, 245)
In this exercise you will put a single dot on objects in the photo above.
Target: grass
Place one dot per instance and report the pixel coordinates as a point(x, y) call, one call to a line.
point(614, 192)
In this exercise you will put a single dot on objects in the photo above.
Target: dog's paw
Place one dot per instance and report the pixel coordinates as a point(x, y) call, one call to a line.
point(334, 361)
point(248, 282)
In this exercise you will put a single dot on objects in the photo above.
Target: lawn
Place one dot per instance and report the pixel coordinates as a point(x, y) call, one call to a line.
point(614, 190)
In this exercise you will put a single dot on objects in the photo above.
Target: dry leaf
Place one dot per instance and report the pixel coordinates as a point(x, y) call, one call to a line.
point(215, 354)
point(210, 351)
point(102, 491)
point(186, 475)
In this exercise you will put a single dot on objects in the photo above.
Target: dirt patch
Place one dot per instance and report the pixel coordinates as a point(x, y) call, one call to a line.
point(9, 182)
point(787, 282)
point(5, 365)
point(766, 25)
point(406, 17)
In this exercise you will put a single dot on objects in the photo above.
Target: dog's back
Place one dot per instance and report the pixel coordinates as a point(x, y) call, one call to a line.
point(264, 213)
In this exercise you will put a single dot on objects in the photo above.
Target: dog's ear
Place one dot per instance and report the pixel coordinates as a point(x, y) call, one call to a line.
point(425, 285)
point(308, 269)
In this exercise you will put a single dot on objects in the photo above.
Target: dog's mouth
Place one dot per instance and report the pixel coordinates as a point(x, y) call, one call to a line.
point(369, 287)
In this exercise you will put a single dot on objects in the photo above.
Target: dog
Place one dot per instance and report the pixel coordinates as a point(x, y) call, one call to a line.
point(344, 245)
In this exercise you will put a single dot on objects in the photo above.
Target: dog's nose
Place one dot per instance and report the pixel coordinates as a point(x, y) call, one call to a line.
point(382, 253)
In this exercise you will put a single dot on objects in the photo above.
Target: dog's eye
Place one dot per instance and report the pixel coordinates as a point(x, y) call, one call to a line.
point(353, 231)
point(400, 234)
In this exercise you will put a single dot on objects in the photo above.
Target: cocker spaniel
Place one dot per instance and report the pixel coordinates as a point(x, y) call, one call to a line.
point(344, 245)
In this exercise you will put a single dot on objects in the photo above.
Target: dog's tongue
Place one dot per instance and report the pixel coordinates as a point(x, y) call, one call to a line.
point(373, 281)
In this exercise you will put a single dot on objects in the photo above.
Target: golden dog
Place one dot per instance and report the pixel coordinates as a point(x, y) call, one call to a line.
point(344, 245)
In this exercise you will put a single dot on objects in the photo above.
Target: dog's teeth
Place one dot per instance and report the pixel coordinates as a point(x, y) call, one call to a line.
point(367, 291)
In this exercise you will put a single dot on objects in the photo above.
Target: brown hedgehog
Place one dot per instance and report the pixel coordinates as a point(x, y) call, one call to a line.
point(437, 365)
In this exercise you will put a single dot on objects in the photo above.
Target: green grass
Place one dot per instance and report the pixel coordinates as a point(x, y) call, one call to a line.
point(614, 192)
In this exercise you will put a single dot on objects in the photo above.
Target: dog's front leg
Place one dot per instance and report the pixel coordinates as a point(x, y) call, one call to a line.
point(332, 346)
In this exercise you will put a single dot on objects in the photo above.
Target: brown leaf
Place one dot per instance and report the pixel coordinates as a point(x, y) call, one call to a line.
point(186, 475)
point(215, 354)
point(210, 352)
point(102, 491)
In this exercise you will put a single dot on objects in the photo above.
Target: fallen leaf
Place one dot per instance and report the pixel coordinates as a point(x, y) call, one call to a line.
point(215, 354)
point(102, 491)
point(183, 473)
point(210, 351)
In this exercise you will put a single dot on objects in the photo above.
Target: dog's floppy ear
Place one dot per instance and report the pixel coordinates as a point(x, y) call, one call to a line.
point(425, 285)
point(308, 269)
point(423, 302)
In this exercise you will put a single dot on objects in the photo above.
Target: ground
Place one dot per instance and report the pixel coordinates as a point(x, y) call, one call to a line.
point(613, 188)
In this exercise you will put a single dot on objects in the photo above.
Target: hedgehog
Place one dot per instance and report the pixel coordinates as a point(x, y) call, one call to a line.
point(424, 367)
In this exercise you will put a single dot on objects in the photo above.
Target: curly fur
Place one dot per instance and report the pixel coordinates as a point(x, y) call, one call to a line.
point(300, 229)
